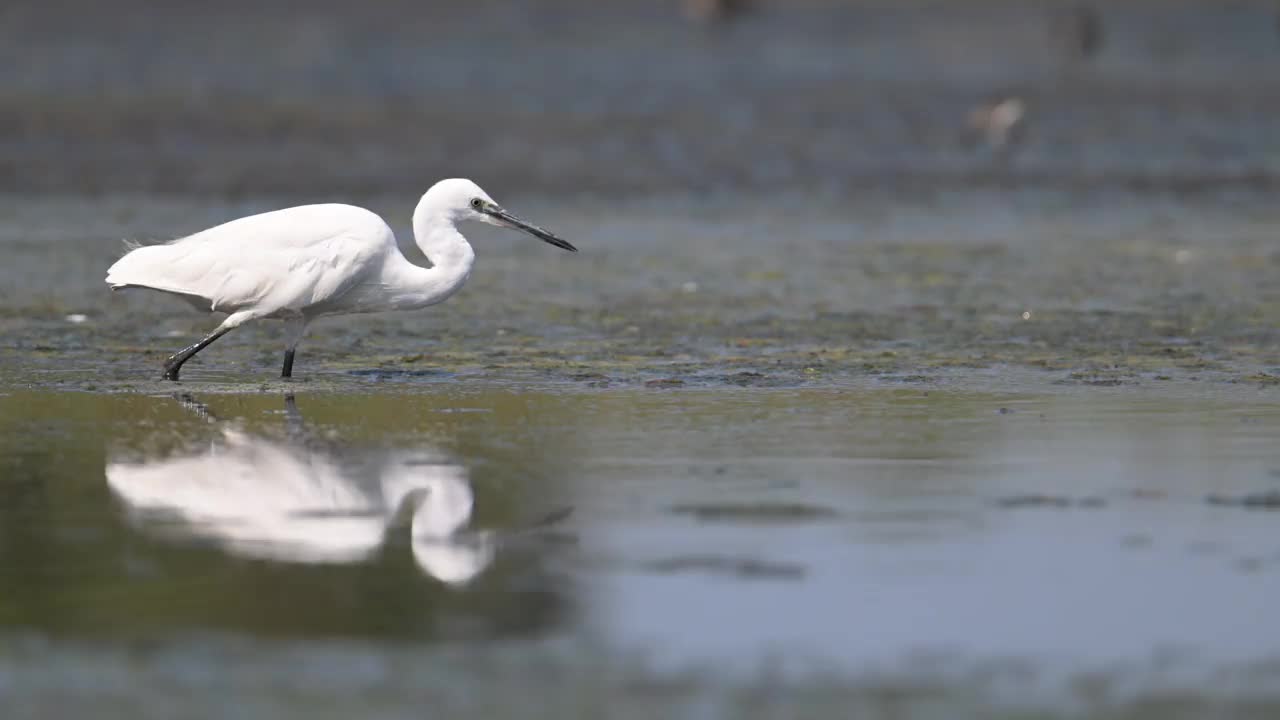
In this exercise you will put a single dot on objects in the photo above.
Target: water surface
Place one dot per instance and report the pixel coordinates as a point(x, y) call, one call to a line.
point(944, 539)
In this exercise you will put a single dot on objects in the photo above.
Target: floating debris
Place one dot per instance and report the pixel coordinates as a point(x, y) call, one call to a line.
point(588, 376)
point(748, 378)
point(551, 518)
point(1049, 501)
point(1269, 500)
point(755, 512)
point(1263, 378)
point(745, 568)
point(1149, 494)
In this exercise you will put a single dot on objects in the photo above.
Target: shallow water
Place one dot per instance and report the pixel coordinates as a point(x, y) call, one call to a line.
point(984, 546)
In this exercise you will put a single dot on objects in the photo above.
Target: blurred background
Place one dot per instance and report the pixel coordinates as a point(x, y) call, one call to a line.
point(922, 358)
point(626, 97)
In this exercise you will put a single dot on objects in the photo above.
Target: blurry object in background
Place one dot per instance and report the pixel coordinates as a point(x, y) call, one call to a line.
point(285, 500)
point(714, 11)
point(1076, 31)
point(999, 125)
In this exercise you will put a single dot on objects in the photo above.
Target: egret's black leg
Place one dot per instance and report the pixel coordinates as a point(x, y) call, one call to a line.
point(294, 331)
point(174, 363)
point(287, 370)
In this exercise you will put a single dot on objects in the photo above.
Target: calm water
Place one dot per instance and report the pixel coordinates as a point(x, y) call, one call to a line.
point(998, 547)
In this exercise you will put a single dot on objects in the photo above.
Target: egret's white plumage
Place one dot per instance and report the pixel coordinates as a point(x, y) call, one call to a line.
point(273, 264)
point(305, 262)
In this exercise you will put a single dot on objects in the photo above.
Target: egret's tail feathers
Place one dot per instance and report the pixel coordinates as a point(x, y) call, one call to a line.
point(129, 246)
point(128, 270)
point(161, 267)
point(146, 266)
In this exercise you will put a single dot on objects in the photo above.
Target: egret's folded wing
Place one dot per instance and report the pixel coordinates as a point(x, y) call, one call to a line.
point(282, 260)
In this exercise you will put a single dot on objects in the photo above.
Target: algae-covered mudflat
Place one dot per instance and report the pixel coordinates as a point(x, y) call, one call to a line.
point(1013, 290)
point(843, 409)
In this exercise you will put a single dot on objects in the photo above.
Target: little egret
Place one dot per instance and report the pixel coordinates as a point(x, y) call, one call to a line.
point(300, 263)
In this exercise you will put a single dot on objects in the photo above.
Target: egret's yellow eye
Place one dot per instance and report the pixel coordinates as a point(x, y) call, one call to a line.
point(477, 204)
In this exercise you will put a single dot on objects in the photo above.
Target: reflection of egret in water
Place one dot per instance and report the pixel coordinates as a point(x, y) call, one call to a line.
point(285, 500)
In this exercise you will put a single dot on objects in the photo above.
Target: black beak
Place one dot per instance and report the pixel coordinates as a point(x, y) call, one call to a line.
point(510, 220)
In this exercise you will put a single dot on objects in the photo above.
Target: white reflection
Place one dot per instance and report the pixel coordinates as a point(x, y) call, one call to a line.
point(282, 500)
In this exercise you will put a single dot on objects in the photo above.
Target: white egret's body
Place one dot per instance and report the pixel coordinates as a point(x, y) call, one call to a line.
point(301, 263)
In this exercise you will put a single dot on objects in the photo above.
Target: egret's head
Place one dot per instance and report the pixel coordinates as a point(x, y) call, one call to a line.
point(462, 199)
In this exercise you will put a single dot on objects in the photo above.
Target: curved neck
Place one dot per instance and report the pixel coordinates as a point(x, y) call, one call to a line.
point(436, 233)
point(451, 257)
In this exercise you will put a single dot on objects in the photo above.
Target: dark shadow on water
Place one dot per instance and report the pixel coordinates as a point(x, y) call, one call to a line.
point(394, 374)
point(735, 568)
point(755, 513)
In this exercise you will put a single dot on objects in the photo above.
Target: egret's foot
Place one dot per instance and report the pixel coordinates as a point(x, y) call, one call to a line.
point(175, 361)
point(171, 368)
